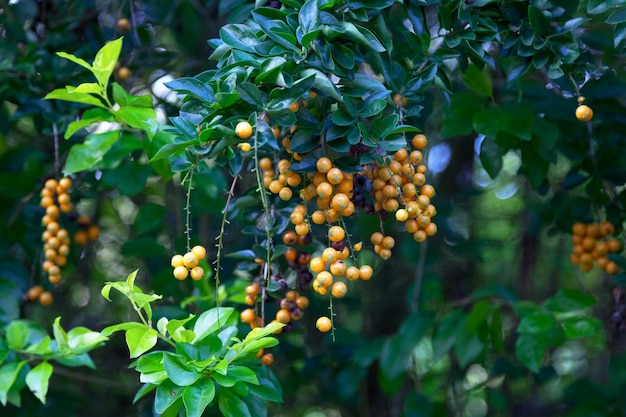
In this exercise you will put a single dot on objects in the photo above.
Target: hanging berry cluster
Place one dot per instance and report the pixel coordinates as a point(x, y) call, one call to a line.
point(592, 244)
point(55, 199)
point(187, 264)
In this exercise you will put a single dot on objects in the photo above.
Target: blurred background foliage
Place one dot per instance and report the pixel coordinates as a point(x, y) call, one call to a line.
point(505, 210)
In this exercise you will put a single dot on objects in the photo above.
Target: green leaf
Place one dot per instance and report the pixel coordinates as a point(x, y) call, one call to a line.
point(491, 157)
point(37, 380)
point(172, 149)
point(76, 360)
point(83, 157)
point(536, 323)
point(17, 334)
point(178, 371)
point(210, 321)
point(90, 117)
point(140, 339)
point(267, 390)
point(121, 97)
point(59, 335)
point(539, 23)
point(198, 396)
point(322, 83)
point(65, 95)
point(243, 374)
point(105, 60)
point(231, 405)
point(193, 88)
point(569, 300)
point(82, 340)
point(8, 374)
point(478, 81)
point(76, 60)
point(41, 348)
point(309, 19)
point(529, 349)
point(239, 36)
point(581, 327)
point(139, 118)
point(88, 88)
point(166, 395)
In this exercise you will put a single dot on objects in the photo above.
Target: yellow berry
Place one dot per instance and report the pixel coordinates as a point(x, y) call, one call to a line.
point(243, 130)
point(323, 324)
point(181, 273)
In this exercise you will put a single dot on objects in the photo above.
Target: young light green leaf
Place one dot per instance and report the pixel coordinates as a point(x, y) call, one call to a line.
point(140, 339)
point(87, 88)
point(76, 60)
point(198, 396)
point(8, 373)
point(106, 58)
point(17, 334)
point(82, 340)
point(130, 279)
point(59, 335)
point(108, 331)
point(74, 97)
point(41, 348)
point(37, 380)
point(162, 326)
point(260, 332)
point(139, 118)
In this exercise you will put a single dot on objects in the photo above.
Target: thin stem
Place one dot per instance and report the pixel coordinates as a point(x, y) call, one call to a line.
point(343, 224)
point(55, 134)
point(266, 213)
point(220, 238)
point(332, 318)
point(188, 177)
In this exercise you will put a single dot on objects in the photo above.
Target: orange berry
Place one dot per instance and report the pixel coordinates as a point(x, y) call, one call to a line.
point(336, 233)
point(584, 113)
point(197, 273)
point(338, 268)
point(339, 290)
point(285, 194)
point(419, 141)
point(177, 260)
point(190, 260)
point(317, 264)
point(611, 268)
point(323, 165)
point(267, 359)
point(318, 217)
point(199, 251)
point(93, 232)
point(607, 228)
point(34, 292)
point(419, 236)
point(352, 273)
point(329, 255)
point(46, 298)
point(430, 229)
point(180, 273)
point(302, 229)
point(283, 316)
point(302, 302)
point(579, 229)
point(366, 272)
point(324, 278)
point(247, 316)
point(243, 130)
point(291, 254)
point(323, 324)
point(376, 238)
point(334, 176)
point(614, 245)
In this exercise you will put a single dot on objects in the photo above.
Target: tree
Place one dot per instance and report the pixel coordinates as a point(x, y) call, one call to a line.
point(444, 153)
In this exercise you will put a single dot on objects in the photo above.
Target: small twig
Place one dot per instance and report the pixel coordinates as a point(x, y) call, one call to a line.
point(220, 238)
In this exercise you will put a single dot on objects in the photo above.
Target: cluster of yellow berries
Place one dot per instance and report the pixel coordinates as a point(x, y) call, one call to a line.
point(583, 112)
point(279, 184)
point(37, 293)
point(187, 264)
point(399, 187)
point(55, 199)
point(592, 244)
